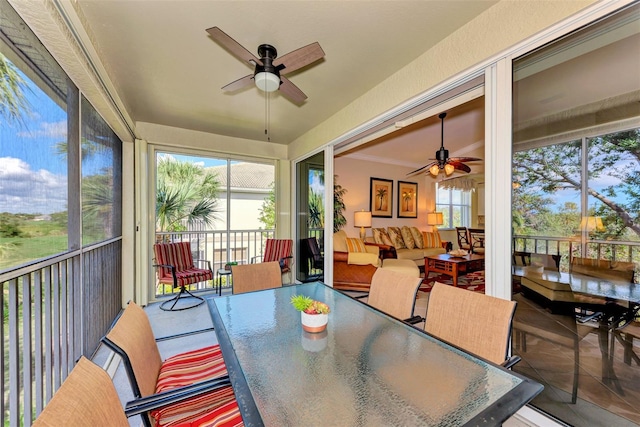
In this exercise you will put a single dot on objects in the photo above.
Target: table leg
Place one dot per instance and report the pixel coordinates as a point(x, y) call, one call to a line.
point(454, 273)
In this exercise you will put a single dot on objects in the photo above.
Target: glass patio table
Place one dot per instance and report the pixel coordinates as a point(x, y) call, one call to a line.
point(366, 369)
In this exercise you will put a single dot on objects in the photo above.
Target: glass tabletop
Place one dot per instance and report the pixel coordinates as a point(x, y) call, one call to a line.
point(365, 369)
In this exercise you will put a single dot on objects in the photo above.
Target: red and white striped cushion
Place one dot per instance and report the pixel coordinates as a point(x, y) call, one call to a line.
point(217, 408)
point(276, 249)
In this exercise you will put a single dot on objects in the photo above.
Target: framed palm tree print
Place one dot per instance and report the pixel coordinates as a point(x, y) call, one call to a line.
point(381, 198)
point(407, 199)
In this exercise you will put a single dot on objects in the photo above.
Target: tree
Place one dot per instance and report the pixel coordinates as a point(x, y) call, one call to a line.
point(268, 209)
point(614, 157)
point(185, 192)
point(13, 104)
point(339, 220)
point(381, 193)
point(316, 210)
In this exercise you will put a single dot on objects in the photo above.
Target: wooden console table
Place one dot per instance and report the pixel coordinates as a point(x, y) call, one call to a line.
point(453, 266)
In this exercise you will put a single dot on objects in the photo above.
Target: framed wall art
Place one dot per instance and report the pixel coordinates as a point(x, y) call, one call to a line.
point(381, 198)
point(407, 199)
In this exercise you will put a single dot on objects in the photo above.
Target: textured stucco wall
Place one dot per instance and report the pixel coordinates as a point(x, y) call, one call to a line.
point(500, 27)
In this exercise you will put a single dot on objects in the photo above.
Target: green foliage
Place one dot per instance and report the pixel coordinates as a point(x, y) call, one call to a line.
point(10, 229)
point(267, 214)
point(316, 210)
point(185, 192)
point(339, 220)
point(13, 104)
point(308, 305)
point(613, 158)
point(301, 302)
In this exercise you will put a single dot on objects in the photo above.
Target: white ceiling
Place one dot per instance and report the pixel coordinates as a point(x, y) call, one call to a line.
point(169, 71)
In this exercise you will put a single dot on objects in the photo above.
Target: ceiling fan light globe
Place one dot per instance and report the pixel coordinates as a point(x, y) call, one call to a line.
point(448, 169)
point(267, 82)
point(434, 170)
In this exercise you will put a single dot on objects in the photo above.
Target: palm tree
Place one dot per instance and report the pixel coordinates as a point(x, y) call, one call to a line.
point(185, 192)
point(381, 194)
point(13, 104)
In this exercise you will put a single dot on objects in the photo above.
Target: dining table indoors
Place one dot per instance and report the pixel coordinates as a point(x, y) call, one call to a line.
point(367, 368)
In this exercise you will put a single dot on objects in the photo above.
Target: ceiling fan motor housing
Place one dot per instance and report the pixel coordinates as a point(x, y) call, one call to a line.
point(442, 156)
point(267, 54)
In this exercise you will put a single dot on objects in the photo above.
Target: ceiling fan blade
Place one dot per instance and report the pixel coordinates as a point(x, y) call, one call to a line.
point(463, 159)
point(460, 166)
point(235, 48)
point(299, 58)
point(422, 168)
point(291, 91)
point(239, 84)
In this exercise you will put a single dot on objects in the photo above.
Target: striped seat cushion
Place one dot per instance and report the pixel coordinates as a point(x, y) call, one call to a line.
point(277, 250)
point(216, 408)
point(179, 255)
point(187, 277)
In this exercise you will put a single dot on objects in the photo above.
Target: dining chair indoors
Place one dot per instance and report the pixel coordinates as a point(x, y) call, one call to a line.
point(256, 277)
point(195, 383)
point(478, 323)
point(280, 250)
point(463, 238)
point(86, 398)
point(394, 293)
point(176, 267)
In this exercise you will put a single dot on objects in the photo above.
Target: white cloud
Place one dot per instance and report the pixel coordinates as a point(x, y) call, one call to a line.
point(23, 190)
point(56, 130)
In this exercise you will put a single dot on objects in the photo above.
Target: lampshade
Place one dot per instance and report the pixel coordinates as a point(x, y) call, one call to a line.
point(448, 169)
point(591, 223)
point(362, 219)
point(434, 170)
point(435, 218)
point(267, 82)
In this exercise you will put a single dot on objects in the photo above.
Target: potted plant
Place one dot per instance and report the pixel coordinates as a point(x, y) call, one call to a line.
point(313, 314)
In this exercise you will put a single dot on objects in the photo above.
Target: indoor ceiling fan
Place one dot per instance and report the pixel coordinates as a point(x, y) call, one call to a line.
point(443, 161)
point(269, 69)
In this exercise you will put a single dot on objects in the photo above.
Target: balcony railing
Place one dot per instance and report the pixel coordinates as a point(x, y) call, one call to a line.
point(569, 247)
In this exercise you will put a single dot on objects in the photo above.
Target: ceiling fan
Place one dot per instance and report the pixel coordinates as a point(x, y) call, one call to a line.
point(269, 69)
point(443, 161)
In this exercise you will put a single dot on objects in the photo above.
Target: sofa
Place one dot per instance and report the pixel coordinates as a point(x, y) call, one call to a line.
point(353, 267)
point(411, 243)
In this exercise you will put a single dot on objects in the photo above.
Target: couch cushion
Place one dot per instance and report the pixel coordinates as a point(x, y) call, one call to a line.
point(363, 258)
point(431, 239)
point(381, 237)
point(417, 237)
point(340, 241)
point(396, 237)
point(414, 254)
point(407, 237)
point(355, 245)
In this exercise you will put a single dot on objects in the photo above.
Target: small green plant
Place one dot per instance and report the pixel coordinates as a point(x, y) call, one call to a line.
point(308, 305)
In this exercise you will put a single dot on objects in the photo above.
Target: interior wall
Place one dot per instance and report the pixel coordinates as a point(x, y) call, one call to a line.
point(354, 176)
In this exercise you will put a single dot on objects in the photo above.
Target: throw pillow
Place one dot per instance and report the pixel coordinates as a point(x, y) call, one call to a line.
point(396, 237)
point(381, 237)
point(431, 239)
point(417, 237)
point(355, 245)
point(408, 237)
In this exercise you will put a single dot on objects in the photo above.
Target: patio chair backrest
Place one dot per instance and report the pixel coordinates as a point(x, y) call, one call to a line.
point(393, 293)
point(86, 398)
point(133, 334)
point(478, 323)
point(255, 277)
point(177, 254)
point(277, 250)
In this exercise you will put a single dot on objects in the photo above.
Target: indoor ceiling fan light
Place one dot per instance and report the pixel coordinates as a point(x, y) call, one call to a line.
point(434, 170)
point(448, 169)
point(267, 82)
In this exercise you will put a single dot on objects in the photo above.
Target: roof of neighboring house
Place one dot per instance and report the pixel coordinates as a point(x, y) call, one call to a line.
point(246, 175)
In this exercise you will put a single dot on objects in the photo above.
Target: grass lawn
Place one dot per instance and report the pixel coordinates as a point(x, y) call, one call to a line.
point(19, 250)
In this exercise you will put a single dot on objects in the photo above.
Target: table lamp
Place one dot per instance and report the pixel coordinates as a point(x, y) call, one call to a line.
point(589, 224)
point(362, 219)
point(434, 219)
